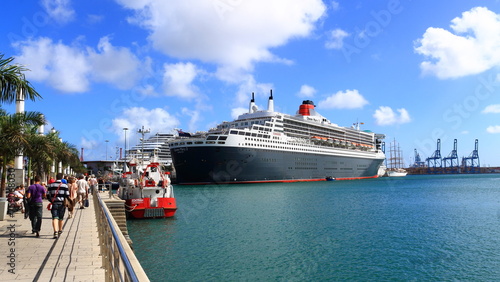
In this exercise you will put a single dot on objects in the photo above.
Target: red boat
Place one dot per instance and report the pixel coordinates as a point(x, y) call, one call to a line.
point(147, 192)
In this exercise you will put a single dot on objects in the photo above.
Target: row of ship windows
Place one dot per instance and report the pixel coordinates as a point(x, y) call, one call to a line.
point(351, 136)
point(243, 123)
point(280, 147)
point(326, 168)
point(235, 132)
point(308, 164)
point(277, 142)
point(196, 142)
point(309, 168)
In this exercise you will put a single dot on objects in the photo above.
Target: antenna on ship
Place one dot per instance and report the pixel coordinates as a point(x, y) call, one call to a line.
point(143, 131)
point(270, 103)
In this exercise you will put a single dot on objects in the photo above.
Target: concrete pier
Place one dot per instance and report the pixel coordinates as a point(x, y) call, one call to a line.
point(75, 256)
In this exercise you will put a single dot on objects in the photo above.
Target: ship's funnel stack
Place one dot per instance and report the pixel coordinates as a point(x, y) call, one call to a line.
point(270, 103)
point(306, 108)
point(252, 108)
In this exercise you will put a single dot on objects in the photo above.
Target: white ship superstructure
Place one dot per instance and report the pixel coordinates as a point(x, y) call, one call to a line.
point(153, 149)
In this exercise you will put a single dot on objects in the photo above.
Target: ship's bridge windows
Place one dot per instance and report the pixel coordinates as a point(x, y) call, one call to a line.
point(233, 132)
point(241, 133)
point(212, 137)
point(223, 138)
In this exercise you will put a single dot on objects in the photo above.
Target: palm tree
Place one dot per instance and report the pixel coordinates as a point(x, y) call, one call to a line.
point(13, 128)
point(39, 153)
point(63, 152)
point(13, 82)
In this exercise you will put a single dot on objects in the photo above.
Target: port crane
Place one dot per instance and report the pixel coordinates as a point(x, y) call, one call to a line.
point(471, 164)
point(452, 159)
point(418, 161)
point(435, 159)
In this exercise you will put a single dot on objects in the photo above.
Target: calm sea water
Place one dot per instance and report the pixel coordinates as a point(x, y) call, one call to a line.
point(440, 227)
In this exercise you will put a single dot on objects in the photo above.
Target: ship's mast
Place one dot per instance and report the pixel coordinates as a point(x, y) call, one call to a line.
point(143, 131)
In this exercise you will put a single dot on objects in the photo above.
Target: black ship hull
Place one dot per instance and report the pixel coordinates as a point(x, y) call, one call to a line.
point(225, 164)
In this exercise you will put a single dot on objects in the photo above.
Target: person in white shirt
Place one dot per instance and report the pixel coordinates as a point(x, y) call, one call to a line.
point(83, 190)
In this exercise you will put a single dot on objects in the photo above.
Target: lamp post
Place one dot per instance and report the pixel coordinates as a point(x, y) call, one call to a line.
point(125, 153)
point(107, 149)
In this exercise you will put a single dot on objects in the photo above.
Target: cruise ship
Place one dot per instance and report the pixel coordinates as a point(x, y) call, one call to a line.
point(268, 146)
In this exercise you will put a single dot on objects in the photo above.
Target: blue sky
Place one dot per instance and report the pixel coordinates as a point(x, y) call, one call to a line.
point(413, 70)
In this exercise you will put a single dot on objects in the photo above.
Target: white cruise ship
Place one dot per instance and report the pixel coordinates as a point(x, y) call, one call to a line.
point(268, 146)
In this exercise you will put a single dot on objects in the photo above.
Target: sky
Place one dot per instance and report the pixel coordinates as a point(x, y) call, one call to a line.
point(415, 71)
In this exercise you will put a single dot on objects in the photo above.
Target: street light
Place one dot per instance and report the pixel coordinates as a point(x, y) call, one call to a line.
point(107, 149)
point(125, 153)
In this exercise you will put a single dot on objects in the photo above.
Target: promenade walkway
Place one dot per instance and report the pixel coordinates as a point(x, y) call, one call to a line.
point(74, 256)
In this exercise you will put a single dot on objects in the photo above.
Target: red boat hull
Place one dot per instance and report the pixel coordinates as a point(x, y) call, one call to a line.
point(141, 208)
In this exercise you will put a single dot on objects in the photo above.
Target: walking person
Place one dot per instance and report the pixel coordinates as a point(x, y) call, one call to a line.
point(73, 188)
point(57, 192)
point(93, 184)
point(83, 190)
point(35, 194)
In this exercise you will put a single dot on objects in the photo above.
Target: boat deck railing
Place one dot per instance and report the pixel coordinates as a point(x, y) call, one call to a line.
point(118, 259)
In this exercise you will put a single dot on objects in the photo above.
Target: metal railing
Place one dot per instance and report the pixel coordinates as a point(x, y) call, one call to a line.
point(104, 187)
point(118, 258)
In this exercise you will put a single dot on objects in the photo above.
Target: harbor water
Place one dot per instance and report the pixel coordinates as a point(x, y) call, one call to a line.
point(426, 227)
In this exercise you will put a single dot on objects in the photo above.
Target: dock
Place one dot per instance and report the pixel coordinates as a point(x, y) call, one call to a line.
point(81, 253)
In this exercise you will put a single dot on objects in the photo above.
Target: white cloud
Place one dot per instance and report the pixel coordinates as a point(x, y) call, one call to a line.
point(492, 109)
point(386, 116)
point(306, 91)
point(158, 120)
point(88, 144)
point(72, 68)
point(236, 112)
point(63, 67)
point(471, 47)
point(115, 65)
point(228, 33)
point(94, 19)
point(493, 129)
point(336, 39)
point(249, 85)
point(178, 80)
point(194, 117)
point(334, 5)
point(60, 10)
point(350, 99)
